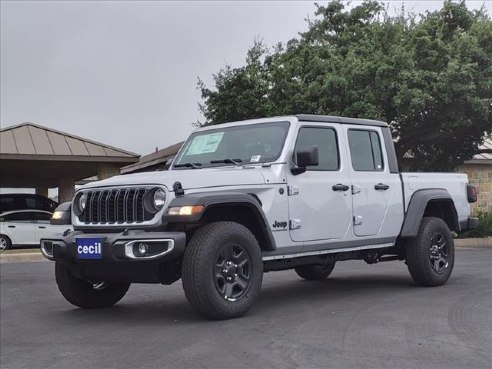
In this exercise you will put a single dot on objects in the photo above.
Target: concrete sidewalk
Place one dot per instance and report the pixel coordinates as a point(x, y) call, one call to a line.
point(23, 257)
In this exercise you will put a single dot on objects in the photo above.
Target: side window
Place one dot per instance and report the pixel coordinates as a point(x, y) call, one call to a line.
point(326, 140)
point(30, 203)
point(21, 217)
point(43, 218)
point(365, 150)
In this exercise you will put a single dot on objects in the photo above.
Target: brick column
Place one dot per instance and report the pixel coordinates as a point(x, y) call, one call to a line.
point(108, 170)
point(66, 189)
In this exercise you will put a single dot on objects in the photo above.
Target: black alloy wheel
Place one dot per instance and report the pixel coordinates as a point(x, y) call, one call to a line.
point(232, 271)
point(438, 253)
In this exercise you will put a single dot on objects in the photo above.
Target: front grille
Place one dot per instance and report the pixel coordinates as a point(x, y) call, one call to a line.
point(115, 206)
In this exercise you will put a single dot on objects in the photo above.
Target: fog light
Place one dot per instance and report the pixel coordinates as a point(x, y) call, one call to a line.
point(143, 248)
point(47, 249)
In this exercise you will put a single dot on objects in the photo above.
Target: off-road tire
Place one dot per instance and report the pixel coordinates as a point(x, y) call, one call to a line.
point(201, 270)
point(82, 293)
point(315, 272)
point(5, 242)
point(419, 253)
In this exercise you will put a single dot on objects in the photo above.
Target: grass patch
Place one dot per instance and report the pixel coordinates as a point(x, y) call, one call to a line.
point(483, 230)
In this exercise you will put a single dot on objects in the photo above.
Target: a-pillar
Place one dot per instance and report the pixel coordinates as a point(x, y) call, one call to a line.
point(43, 191)
point(108, 170)
point(66, 189)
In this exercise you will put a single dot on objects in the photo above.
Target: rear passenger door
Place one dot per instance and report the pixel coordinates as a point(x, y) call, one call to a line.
point(21, 227)
point(375, 191)
point(320, 205)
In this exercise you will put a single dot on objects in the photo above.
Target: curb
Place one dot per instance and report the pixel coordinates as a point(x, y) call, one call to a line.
point(35, 257)
point(25, 257)
point(473, 242)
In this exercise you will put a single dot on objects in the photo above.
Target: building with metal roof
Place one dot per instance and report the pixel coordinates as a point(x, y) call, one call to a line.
point(158, 160)
point(34, 156)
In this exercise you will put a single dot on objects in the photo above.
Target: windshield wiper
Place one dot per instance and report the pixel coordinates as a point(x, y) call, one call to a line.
point(188, 165)
point(227, 161)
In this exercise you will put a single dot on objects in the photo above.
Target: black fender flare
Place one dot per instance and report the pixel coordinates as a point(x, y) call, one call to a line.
point(212, 199)
point(418, 204)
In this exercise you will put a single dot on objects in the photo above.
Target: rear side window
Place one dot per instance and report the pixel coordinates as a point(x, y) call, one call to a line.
point(43, 217)
point(365, 150)
point(326, 140)
point(21, 217)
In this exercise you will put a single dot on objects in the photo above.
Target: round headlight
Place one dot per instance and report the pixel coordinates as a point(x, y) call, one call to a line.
point(159, 199)
point(82, 201)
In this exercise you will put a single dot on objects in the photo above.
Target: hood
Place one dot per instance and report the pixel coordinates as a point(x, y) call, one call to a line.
point(190, 179)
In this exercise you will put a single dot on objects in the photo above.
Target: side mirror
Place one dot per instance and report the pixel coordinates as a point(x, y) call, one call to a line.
point(305, 157)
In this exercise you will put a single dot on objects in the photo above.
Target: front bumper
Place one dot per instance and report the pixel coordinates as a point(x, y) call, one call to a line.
point(118, 247)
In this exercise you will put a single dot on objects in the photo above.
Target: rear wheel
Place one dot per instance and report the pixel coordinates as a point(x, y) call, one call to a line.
point(87, 294)
point(430, 255)
point(315, 272)
point(222, 270)
point(5, 242)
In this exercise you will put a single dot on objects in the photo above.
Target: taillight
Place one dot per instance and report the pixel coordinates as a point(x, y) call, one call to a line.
point(471, 192)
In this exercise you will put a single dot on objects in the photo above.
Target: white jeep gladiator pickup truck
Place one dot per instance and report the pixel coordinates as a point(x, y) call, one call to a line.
point(240, 199)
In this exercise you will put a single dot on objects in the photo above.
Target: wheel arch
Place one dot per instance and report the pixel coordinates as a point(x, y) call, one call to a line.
point(429, 203)
point(242, 208)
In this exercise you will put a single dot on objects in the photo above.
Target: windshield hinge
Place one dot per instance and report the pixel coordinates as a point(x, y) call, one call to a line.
point(178, 189)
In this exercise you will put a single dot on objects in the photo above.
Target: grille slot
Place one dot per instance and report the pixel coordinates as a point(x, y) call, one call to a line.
point(116, 206)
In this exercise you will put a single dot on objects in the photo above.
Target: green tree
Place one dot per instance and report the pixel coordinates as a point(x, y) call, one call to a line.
point(429, 76)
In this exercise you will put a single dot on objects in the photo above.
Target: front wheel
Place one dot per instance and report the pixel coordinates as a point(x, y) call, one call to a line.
point(222, 270)
point(430, 255)
point(86, 294)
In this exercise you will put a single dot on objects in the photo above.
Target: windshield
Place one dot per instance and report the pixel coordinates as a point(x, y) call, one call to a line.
point(247, 144)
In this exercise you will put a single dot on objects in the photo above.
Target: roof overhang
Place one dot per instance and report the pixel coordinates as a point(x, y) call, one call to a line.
point(19, 173)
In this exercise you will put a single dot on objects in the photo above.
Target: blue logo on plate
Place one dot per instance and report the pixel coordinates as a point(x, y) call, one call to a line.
point(89, 248)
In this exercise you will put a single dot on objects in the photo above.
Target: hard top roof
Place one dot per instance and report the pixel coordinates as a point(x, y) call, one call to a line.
point(336, 119)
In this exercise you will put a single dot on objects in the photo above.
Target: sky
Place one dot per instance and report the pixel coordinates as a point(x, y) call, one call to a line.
point(125, 73)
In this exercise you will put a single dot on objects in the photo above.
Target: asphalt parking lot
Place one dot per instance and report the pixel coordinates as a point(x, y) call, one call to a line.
point(363, 316)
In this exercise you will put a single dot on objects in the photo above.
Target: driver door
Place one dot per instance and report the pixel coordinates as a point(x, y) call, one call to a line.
point(320, 202)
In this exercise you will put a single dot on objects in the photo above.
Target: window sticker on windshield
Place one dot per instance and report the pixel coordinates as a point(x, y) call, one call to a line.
point(205, 144)
point(255, 159)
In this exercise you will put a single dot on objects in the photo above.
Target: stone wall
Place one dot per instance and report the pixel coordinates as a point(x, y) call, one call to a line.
point(481, 176)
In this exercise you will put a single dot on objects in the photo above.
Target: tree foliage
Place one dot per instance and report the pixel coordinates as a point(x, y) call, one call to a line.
point(429, 76)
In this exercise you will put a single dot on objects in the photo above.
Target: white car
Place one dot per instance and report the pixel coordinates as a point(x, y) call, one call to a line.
point(26, 228)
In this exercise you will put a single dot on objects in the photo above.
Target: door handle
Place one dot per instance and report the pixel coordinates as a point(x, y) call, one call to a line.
point(381, 187)
point(11, 226)
point(340, 187)
point(42, 227)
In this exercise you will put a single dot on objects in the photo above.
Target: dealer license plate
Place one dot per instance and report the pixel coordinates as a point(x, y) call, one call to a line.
point(89, 248)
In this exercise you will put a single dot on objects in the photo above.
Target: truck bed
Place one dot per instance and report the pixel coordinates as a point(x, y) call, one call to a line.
point(454, 183)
